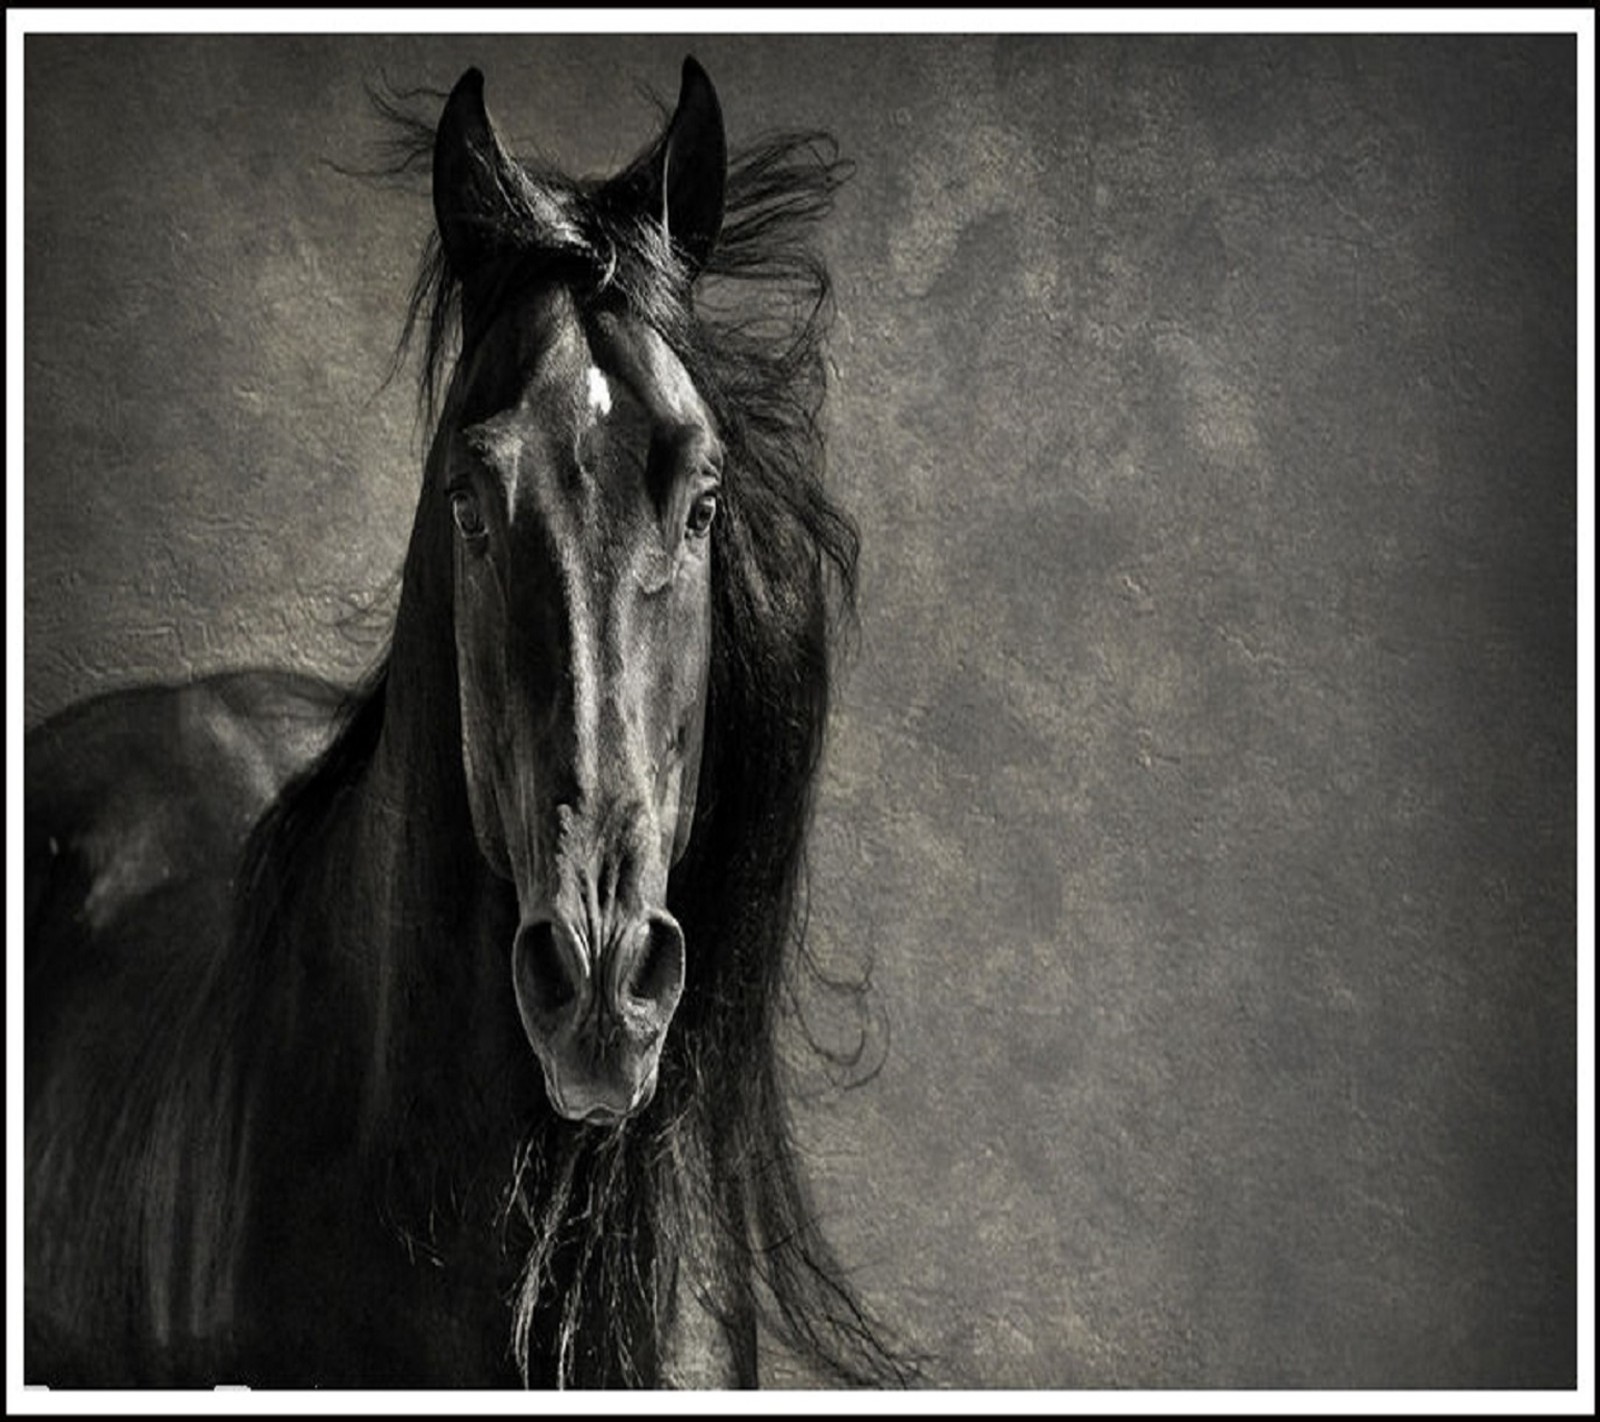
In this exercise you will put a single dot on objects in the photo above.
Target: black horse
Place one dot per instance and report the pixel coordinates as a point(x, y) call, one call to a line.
point(427, 1037)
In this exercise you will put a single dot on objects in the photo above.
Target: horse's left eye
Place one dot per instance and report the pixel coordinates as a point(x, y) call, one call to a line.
point(701, 515)
point(469, 518)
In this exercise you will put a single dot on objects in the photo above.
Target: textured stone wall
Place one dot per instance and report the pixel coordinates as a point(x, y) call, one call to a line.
point(1203, 783)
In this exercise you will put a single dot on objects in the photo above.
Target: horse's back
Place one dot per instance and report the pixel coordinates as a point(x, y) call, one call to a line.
point(135, 791)
point(137, 806)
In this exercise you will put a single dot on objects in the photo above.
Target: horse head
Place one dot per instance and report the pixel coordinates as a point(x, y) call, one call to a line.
point(580, 469)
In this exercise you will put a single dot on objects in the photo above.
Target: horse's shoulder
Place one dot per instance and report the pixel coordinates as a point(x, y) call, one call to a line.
point(136, 790)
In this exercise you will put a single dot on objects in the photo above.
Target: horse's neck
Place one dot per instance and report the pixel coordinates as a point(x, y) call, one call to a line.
point(419, 932)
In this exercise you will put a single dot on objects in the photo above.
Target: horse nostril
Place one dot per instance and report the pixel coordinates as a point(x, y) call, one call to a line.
point(548, 975)
point(653, 979)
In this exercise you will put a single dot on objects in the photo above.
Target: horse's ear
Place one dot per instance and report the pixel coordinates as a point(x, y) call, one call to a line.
point(469, 176)
point(680, 180)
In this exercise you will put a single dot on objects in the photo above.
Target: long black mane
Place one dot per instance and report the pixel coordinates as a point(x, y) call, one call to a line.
point(706, 1182)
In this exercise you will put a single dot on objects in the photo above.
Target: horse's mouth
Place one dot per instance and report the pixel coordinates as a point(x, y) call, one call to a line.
point(598, 1029)
point(598, 1102)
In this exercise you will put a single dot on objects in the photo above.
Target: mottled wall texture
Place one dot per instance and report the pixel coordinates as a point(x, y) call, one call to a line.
point(1202, 786)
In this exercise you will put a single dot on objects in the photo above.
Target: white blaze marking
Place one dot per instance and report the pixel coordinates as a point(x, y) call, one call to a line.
point(599, 392)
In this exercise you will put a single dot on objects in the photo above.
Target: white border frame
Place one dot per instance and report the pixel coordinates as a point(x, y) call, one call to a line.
point(752, 21)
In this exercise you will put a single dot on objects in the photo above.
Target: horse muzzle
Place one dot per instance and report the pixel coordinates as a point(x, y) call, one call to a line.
point(597, 1020)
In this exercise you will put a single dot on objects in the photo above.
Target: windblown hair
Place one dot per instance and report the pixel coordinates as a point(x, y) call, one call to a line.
point(705, 1183)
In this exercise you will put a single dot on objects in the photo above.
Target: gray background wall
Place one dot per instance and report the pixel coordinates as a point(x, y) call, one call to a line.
point(1203, 785)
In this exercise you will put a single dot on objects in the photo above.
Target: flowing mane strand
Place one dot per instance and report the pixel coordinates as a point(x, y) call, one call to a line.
point(703, 1188)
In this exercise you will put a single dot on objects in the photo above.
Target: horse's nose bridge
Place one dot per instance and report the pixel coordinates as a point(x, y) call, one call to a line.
point(598, 730)
point(588, 802)
point(588, 791)
point(605, 862)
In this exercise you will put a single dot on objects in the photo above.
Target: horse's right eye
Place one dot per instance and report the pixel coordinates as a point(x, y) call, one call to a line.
point(701, 515)
point(469, 518)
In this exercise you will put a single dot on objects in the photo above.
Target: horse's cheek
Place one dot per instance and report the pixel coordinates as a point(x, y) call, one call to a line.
point(479, 651)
